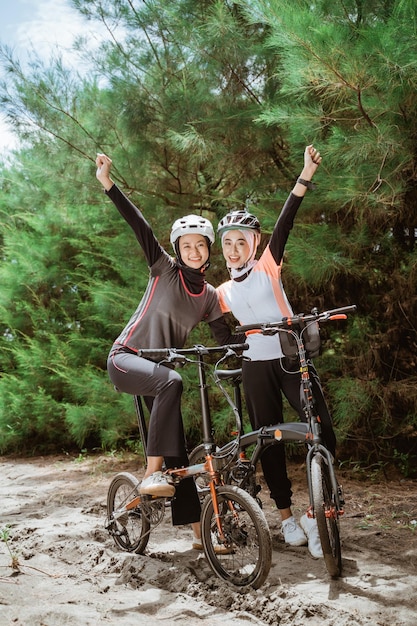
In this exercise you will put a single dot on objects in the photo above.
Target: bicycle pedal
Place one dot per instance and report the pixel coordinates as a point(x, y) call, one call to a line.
point(113, 530)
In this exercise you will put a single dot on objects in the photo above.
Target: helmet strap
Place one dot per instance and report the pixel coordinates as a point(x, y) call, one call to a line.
point(242, 272)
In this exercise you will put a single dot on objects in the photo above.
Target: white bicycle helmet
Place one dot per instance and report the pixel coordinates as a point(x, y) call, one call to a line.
point(191, 224)
point(239, 219)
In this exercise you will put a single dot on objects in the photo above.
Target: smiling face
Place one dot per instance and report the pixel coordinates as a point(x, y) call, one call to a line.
point(236, 250)
point(194, 251)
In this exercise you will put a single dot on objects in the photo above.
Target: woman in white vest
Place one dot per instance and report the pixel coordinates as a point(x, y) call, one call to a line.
point(255, 294)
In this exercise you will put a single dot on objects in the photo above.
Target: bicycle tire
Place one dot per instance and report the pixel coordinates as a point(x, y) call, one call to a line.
point(248, 544)
point(326, 515)
point(131, 531)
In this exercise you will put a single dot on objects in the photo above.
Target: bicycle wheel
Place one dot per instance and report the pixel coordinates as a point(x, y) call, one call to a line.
point(131, 530)
point(244, 557)
point(326, 513)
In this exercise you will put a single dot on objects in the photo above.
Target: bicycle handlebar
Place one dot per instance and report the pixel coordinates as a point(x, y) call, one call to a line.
point(179, 354)
point(287, 322)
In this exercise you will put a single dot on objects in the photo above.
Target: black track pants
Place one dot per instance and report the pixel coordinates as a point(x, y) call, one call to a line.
point(263, 383)
point(161, 388)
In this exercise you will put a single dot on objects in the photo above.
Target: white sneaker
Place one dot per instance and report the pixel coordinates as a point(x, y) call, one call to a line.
point(309, 525)
point(293, 535)
point(157, 485)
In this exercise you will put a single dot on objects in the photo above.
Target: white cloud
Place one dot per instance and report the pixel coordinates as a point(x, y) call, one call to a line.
point(46, 27)
point(52, 25)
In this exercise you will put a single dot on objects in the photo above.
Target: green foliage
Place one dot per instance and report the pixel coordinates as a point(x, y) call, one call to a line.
point(204, 105)
point(5, 537)
point(352, 403)
point(63, 296)
point(325, 264)
point(31, 420)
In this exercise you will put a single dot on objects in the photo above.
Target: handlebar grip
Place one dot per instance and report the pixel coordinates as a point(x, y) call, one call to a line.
point(154, 353)
point(246, 327)
point(238, 347)
point(344, 309)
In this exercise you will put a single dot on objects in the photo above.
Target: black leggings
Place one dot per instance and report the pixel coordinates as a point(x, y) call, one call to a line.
point(161, 388)
point(263, 382)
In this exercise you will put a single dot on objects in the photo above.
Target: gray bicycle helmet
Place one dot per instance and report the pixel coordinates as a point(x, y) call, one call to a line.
point(239, 219)
point(189, 225)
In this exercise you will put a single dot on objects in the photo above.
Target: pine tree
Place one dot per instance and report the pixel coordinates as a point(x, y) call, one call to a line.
point(348, 74)
point(203, 118)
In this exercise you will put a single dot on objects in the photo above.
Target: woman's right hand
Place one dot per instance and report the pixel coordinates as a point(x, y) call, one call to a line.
point(103, 163)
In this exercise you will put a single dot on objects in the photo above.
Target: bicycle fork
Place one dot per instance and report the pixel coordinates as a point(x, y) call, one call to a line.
point(208, 467)
point(216, 481)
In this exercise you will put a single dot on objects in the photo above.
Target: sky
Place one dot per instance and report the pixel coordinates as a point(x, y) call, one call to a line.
point(42, 24)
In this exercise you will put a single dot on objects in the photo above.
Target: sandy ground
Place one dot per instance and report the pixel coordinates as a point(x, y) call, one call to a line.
point(68, 571)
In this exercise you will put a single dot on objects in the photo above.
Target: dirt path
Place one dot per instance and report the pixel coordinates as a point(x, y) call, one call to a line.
point(70, 572)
